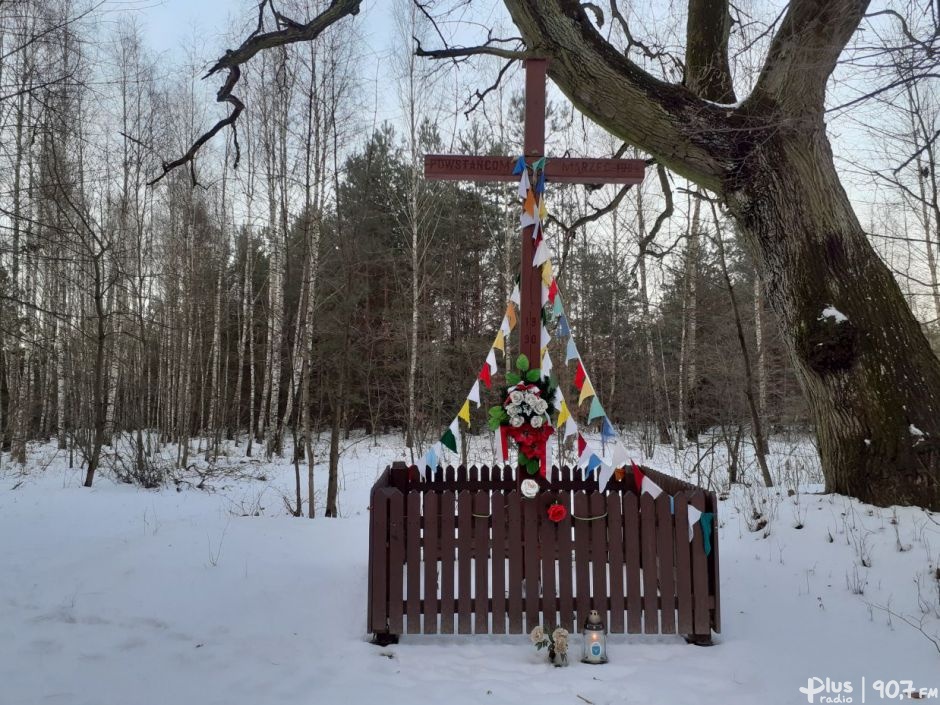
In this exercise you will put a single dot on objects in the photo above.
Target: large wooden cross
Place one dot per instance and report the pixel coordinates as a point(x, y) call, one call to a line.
point(565, 170)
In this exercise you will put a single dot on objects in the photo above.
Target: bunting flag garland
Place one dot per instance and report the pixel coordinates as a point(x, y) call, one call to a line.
point(612, 453)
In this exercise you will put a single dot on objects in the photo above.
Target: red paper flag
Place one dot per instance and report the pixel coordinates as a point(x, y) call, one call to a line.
point(484, 375)
point(637, 477)
point(553, 291)
point(579, 376)
point(582, 444)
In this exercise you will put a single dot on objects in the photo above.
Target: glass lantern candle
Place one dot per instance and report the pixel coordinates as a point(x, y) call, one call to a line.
point(594, 636)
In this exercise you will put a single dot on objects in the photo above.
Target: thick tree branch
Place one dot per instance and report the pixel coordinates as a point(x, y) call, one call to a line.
point(289, 32)
point(804, 53)
point(463, 52)
point(687, 134)
point(707, 72)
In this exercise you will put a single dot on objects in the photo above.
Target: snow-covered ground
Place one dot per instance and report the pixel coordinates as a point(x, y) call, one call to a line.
point(187, 596)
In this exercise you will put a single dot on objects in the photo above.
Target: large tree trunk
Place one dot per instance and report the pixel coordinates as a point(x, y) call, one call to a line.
point(872, 381)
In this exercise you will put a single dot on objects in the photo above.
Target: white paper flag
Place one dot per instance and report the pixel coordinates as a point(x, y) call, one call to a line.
point(474, 395)
point(515, 297)
point(571, 427)
point(694, 516)
point(541, 254)
point(491, 361)
point(547, 365)
point(524, 183)
point(504, 326)
point(649, 486)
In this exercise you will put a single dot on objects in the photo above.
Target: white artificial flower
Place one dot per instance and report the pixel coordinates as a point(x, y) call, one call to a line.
point(517, 421)
point(515, 397)
point(560, 633)
point(530, 398)
point(536, 421)
point(541, 406)
point(538, 635)
point(561, 644)
point(513, 409)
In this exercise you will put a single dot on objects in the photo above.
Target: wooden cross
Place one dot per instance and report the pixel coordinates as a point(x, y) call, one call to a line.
point(565, 170)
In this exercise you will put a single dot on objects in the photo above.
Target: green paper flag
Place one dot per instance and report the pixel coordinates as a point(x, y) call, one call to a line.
point(449, 441)
point(597, 411)
point(706, 521)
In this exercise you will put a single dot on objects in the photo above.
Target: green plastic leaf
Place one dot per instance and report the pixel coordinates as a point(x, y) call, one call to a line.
point(533, 375)
point(522, 363)
point(513, 378)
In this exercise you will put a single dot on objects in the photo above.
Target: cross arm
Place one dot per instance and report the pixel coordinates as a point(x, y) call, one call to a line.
point(449, 167)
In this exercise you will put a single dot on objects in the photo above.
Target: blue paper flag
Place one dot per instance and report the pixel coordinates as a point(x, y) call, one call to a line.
point(593, 463)
point(520, 166)
point(431, 458)
point(607, 430)
point(562, 331)
point(540, 183)
point(572, 351)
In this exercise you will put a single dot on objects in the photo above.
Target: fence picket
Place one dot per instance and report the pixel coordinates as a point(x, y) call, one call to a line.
point(565, 582)
point(582, 558)
point(481, 562)
point(448, 504)
point(548, 557)
point(683, 565)
point(514, 513)
point(413, 560)
point(464, 551)
point(667, 571)
point(631, 542)
point(499, 552)
point(396, 560)
point(648, 557)
point(432, 528)
point(615, 556)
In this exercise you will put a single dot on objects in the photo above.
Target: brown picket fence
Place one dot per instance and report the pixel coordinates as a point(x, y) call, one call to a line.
point(462, 551)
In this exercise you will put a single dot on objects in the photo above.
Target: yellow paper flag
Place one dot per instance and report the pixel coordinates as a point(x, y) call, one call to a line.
point(563, 414)
point(547, 273)
point(500, 342)
point(586, 391)
point(465, 412)
point(511, 315)
point(543, 211)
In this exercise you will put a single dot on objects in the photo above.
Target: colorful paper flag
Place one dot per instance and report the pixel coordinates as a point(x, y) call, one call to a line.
point(464, 412)
point(548, 277)
point(563, 330)
point(596, 411)
point(524, 182)
point(511, 315)
point(519, 167)
point(500, 342)
point(579, 376)
point(541, 254)
point(694, 516)
point(484, 375)
point(571, 352)
point(558, 308)
point(552, 289)
point(449, 440)
point(593, 462)
point(563, 414)
point(586, 391)
point(474, 395)
point(607, 429)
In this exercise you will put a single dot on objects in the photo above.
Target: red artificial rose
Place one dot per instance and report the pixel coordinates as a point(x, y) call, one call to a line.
point(557, 512)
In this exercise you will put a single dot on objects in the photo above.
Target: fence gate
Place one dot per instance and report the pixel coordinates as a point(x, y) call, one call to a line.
point(462, 551)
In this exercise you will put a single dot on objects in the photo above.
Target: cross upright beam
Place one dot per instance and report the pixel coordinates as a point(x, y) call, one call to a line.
point(566, 170)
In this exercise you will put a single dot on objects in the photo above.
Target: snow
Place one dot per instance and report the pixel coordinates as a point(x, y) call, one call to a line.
point(127, 596)
point(914, 431)
point(831, 311)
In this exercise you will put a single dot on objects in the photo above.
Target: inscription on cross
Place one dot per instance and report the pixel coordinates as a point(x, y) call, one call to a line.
point(564, 170)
